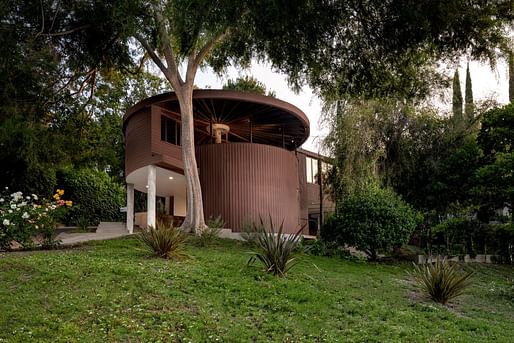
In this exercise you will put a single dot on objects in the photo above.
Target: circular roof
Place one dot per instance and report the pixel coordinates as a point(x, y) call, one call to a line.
point(251, 117)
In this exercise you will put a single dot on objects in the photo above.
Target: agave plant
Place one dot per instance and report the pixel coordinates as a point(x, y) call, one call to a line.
point(441, 280)
point(165, 241)
point(275, 249)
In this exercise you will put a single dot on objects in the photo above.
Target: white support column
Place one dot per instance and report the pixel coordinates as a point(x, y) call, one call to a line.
point(167, 203)
point(130, 207)
point(152, 171)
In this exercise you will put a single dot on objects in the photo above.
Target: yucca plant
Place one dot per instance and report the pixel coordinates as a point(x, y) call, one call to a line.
point(441, 280)
point(276, 250)
point(165, 241)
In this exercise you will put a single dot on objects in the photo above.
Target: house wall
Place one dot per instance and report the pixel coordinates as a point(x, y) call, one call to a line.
point(243, 181)
point(138, 142)
point(170, 155)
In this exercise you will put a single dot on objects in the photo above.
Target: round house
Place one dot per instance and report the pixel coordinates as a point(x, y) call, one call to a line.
point(248, 156)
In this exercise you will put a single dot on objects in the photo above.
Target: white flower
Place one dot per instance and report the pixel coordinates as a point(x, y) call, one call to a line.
point(2, 200)
point(37, 227)
point(27, 197)
point(34, 196)
point(17, 196)
point(6, 222)
point(10, 211)
point(13, 206)
point(25, 215)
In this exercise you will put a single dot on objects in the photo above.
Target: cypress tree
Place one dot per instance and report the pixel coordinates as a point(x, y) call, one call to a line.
point(468, 105)
point(511, 77)
point(457, 97)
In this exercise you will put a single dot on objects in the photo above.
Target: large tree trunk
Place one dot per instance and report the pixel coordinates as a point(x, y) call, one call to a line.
point(194, 220)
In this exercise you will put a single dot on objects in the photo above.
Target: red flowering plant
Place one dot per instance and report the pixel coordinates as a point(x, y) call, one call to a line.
point(25, 220)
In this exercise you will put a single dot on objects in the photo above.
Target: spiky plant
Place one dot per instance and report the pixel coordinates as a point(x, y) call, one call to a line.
point(441, 280)
point(275, 249)
point(165, 241)
point(211, 233)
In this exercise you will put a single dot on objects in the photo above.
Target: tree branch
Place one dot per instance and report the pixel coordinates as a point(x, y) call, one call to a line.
point(194, 61)
point(152, 53)
point(67, 32)
point(165, 41)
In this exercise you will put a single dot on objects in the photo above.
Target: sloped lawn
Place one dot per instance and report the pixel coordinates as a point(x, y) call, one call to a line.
point(113, 291)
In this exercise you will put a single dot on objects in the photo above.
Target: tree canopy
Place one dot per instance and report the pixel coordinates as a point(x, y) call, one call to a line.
point(340, 48)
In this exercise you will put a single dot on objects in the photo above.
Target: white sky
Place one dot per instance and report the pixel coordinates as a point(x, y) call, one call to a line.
point(487, 84)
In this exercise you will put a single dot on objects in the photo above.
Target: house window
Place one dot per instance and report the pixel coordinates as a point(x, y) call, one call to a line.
point(170, 130)
point(312, 170)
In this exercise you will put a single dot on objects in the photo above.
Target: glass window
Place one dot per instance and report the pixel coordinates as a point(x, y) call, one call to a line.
point(170, 130)
point(312, 170)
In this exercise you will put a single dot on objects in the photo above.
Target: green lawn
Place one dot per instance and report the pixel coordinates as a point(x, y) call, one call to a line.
point(113, 291)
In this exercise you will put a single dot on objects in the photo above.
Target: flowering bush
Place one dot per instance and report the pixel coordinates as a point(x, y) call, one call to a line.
point(23, 218)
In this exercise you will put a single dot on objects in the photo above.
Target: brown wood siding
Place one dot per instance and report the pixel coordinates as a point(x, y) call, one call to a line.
point(171, 153)
point(304, 198)
point(137, 141)
point(242, 181)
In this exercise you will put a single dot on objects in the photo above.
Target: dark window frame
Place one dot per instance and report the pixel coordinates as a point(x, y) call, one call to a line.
point(170, 130)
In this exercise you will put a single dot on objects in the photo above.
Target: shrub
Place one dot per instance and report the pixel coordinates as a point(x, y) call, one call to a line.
point(373, 220)
point(211, 233)
point(248, 233)
point(441, 281)
point(276, 250)
point(24, 217)
point(328, 230)
point(96, 196)
point(165, 241)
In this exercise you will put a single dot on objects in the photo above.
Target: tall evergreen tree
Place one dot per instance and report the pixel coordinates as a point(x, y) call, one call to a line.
point(511, 77)
point(457, 97)
point(469, 107)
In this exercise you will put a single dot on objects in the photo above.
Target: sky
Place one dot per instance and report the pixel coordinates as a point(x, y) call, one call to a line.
point(488, 83)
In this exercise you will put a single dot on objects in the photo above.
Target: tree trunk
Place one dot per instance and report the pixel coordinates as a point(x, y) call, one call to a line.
point(194, 221)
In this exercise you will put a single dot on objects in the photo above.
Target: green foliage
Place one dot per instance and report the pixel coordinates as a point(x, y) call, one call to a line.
point(320, 247)
point(96, 196)
point(329, 228)
point(499, 239)
point(248, 233)
point(216, 222)
point(441, 280)
point(276, 249)
point(211, 233)
point(25, 218)
point(497, 131)
point(457, 99)
point(248, 84)
point(469, 107)
point(374, 220)
point(165, 241)
point(495, 180)
point(511, 76)
point(459, 235)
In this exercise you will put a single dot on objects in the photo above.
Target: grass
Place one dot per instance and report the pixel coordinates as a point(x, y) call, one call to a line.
point(112, 291)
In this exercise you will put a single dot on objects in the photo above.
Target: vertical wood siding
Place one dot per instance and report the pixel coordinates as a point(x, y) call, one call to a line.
point(242, 181)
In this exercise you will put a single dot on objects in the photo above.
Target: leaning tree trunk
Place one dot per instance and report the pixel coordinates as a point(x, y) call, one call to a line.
point(194, 220)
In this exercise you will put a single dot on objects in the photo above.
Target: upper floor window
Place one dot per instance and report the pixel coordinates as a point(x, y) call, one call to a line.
point(312, 170)
point(170, 130)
